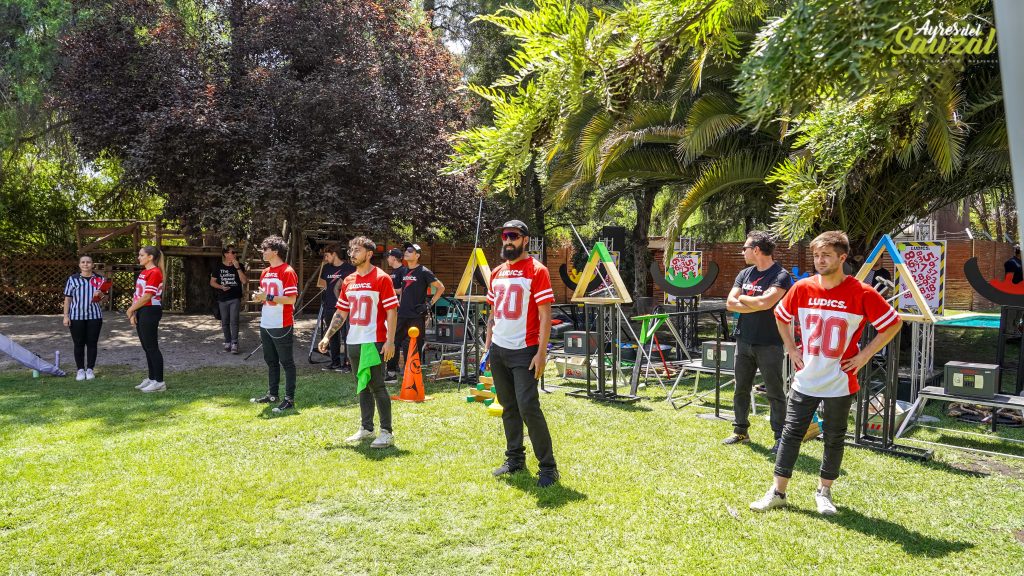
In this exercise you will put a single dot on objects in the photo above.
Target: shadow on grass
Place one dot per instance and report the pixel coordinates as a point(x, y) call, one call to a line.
point(376, 454)
point(115, 404)
point(554, 496)
point(914, 543)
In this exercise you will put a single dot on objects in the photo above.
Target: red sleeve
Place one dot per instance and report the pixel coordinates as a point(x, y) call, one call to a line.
point(290, 281)
point(541, 286)
point(490, 290)
point(788, 305)
point(879, 312)
point(388, 299)
point(154, 279)
point(343, 304)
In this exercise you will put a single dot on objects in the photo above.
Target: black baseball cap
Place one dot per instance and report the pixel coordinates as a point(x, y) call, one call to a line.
point(414, 246)
point(395, 252)
point(516, 225)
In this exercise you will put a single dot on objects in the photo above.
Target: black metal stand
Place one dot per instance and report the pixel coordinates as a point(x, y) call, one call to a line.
point(879, 383)
point(601, 392)
point(1011, 333)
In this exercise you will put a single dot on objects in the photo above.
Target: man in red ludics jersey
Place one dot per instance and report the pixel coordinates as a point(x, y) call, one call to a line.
point(518, 329)
point(367, 298)
point(832, 309)
point(279, 288)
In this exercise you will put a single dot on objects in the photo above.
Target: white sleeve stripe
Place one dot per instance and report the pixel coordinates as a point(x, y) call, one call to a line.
point(884, 323)
point(546, 290)
point(884, 317)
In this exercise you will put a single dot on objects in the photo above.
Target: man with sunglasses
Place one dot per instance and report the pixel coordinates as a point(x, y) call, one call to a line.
point(414, 282)
point(518, 329)
point(758, 344)
point(227, 279)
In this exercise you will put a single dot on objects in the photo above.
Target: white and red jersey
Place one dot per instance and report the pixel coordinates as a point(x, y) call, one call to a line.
point(278, 281)
point(515, 292)
point(831, 322)
point(150, 281)
point(367, 299)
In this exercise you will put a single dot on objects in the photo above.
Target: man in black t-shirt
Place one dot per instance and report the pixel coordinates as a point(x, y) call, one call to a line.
point(413, 306)
point(758, 345)
point(332, 272)
point(1013, 268)
point(227, 280)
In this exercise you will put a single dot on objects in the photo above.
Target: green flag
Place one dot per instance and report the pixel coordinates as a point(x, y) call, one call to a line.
point(368, 358)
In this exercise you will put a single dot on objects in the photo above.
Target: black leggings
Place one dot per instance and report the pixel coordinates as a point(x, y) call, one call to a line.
point(147, 320)
point(86, 333)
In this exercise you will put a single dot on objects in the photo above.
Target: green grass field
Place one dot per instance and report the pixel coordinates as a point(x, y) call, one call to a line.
point(96, 478)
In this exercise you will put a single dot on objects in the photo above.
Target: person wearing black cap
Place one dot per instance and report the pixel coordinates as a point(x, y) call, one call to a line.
point(518, 329)
point(1012, 268)
point(413, 307)
point(398, 270)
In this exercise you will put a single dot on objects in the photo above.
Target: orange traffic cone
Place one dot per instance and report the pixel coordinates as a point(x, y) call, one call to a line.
point(412, 382)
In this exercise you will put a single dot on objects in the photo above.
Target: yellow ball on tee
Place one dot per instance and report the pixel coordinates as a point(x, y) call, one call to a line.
point(414, 331)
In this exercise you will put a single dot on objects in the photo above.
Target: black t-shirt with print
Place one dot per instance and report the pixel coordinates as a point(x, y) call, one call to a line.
point(333, 275)
point(396, 276)
point(227, 276)
point(758, 328)
point(414, 284)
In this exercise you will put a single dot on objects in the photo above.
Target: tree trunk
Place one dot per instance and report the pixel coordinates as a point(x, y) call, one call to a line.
point(198, 294)
point(644, 199)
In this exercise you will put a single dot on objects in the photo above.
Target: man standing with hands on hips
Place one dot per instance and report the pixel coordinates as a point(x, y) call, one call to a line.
point(758, 345)
point(518, 329)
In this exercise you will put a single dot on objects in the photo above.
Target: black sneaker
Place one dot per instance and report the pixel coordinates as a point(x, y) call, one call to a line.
point(286, 404)
point(266, 399)
point(391, 378)
point(547, 478)
point(508, 468)
point(331, 368)
point(775, 448)
point(345, 369)
point(736, 438)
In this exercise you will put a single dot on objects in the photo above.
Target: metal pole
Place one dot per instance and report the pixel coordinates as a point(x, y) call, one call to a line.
point(469, 298)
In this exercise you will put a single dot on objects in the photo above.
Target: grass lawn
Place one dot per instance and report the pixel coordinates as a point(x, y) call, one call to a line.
point(96, 478)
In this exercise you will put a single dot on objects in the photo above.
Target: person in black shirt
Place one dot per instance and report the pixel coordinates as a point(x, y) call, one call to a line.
point(758, 345)
point(1013, 266)
point(397, 269)
point(413, 306)
point(332, 272)
point(876, 276)
point(227, 279)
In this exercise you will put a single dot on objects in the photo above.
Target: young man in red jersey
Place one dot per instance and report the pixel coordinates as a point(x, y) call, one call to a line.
point(279, 288)
point(366, 299)
point(518, 329)
point(832, 310)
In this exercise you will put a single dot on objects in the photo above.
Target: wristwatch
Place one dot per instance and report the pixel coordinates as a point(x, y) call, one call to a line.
point(270, 297)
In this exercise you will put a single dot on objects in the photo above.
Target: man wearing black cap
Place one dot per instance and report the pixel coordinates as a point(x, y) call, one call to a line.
point(397, 271)
point(413, 306)
point(518, 329)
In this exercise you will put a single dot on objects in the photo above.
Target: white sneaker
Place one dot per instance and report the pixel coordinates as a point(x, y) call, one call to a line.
point(363, 434)
point(89, 374)
point(80, 376)
point(155, 386)
point(771, 499)
point(384, 440)
point(144, 383)
point(823, 497)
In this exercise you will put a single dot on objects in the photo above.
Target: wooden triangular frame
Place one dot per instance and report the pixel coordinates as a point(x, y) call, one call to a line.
point(600, 255)
point(886, 244)
point(476, 260)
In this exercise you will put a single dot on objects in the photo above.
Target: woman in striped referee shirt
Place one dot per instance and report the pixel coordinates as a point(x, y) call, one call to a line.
point(83, 293)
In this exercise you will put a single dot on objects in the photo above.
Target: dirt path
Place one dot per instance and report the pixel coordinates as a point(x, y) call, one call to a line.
point(187, 341)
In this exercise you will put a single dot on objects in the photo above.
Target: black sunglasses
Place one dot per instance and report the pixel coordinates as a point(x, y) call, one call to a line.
point(511, 236)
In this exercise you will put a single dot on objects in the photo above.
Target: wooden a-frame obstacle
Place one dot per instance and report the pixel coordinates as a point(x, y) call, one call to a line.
point(600, 255)
point(886, 244)
point(477, 260)
point(615, 293)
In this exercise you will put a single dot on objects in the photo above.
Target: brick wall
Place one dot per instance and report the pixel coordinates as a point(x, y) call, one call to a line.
point(448, 261)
